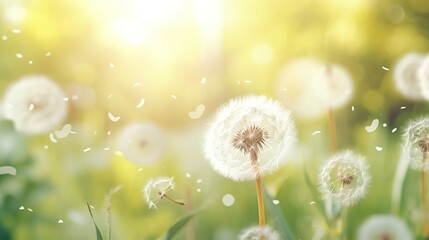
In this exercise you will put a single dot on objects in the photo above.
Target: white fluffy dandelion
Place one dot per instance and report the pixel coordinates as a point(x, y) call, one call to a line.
point(334, 86)
point(406, 78)
point(249, 136)
point(344, 179)
point(141, 142)
point(416, 143)
point(423, 77)
point(34, 104)
point(257, 233)
point(294, 88)
point(384, 227)
point(156, 189)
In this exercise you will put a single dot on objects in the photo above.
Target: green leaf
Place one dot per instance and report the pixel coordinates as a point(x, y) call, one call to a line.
point(315, 194)
point(280, 222)
point(175, 228)
point(97, 230)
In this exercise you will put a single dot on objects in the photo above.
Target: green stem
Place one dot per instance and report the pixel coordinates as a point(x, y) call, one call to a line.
point(425, 229)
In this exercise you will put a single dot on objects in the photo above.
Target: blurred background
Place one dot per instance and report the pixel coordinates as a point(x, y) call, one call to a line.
point(177, 55)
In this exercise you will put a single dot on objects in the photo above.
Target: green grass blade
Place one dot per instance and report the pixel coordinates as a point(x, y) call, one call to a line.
point(97, 230)
point(175, 228)
point(276, 212)
point(315, 195)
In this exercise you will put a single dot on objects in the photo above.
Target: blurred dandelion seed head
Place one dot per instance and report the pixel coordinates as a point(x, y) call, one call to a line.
point(406, 78)
point(256, 232)
point(246, 124)
point(333, 85)
point(141, 142)
point(423, 77)
point(416, 143)
point(344, 179)
point(35, 105)
point(293, 88)
point(382, 227)
point(156, 188)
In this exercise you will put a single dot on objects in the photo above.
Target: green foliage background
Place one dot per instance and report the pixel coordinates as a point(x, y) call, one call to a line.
point(363, 36)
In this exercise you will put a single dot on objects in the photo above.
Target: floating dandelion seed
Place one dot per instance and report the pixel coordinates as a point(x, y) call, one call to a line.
point(406, 78)
point(333, 85)
point(257, 232)
point(384, 227)
point(344, 179)
point(141, 142)
point(198, 112)
point(246, 127)
point(7, 170)
point(156, 189)
point(373, 126)
point(416, 143)
point(34, 104)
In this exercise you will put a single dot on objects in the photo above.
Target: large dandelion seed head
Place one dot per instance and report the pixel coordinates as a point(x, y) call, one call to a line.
point(384, 227)
point(333, 85)
point(141, 142)
point(344, 179)
point(246, 127)
point(256, 232)
point(35, 105)
point(156, 188)
point(416, 143)
point(406, 77)
point(294, 88)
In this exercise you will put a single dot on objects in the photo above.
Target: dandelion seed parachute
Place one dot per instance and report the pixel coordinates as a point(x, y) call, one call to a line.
point(345, 178)
point(156, 188)
point(255, 233)
point(141, 142)
point(244, 125)
point(35, 105)
point(380, 227)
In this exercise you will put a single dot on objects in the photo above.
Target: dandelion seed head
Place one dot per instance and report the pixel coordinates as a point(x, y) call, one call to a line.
point(296, 76)
point(333, 85)
point(156, 188)
point(34, 104)
point(245, 126)
point(344, 179)
point(250, 139)
point(141, 142)
point(405, 76)
point(423, 77)
point(384, 227)
point(416, 143)
point(256, 232)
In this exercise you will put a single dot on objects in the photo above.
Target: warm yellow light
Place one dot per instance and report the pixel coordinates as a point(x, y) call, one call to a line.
point(128, 31)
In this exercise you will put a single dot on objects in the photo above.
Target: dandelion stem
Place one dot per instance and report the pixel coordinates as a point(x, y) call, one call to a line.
point(332, 130)
point(425, 230)
point(259, 193)
point(175, 201)
point(190, 235)
point(344, 223)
